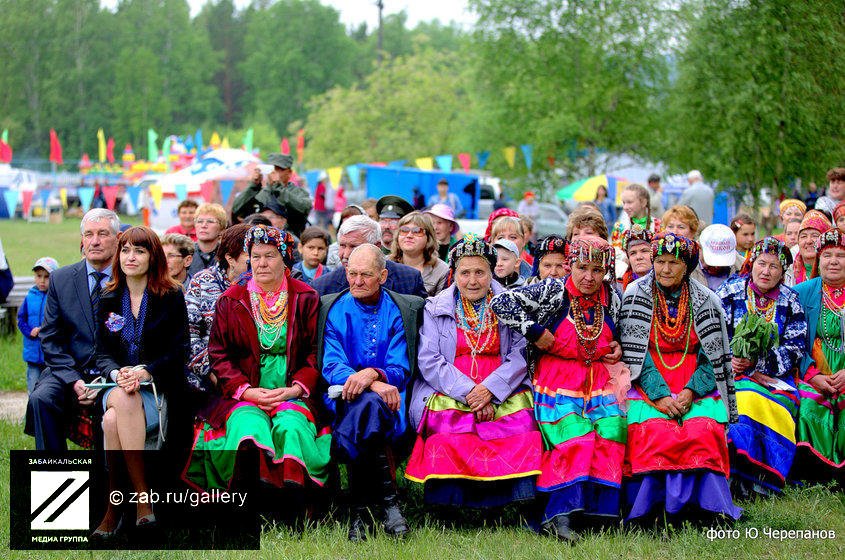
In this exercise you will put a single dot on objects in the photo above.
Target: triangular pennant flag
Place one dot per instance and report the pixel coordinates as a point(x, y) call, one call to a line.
point(5, 135)
point(312, 178)
point(198, 140)
point(354, 173)
point(207, 191)
point(226, 191)
point(300, 144)
point(44, 194)
point(27, 201)
point(284, 147)
point(465, 160)
point(134, 196)
point(510, 155)
point(248, 140)
point(225, 143)
point(181, 192)
point(527, 153)
point(86, 196)
point(215, 140)
point(55, 148)
point(101, 145)
point(63, 198)
point(5, 152)
point(155, 194)
point(152, 148)
point(482, 158)
point(335, 173)
point(425, 163)
point(110, 150)
point(10, 197)
point(165, 150)
point(110, 192)
point(444, 162)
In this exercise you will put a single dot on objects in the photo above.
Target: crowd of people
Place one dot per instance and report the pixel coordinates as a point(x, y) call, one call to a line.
point(657, 366)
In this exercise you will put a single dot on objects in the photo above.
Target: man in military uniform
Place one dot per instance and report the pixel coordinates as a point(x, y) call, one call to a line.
point(390, 209)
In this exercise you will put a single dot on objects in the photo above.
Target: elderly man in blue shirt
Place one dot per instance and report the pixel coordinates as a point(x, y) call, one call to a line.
point(366, 348)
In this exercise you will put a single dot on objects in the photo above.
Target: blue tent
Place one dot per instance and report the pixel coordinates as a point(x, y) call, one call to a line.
point(401, 181)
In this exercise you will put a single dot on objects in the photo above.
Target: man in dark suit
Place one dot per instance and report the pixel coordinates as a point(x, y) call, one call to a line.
point(69, 333)
point(358, 230)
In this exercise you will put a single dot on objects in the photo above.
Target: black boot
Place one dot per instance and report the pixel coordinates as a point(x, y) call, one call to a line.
point(393, 521)
point(359, 517)
point(559, 527)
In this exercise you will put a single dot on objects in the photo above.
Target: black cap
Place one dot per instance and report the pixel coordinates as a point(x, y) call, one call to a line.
point(392, 206)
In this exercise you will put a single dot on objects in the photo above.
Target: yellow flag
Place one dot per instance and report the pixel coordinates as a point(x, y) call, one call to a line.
point(101, 143)
point(215, 140)
point(510, 155)
point(155, 193)
point(63, 196)
point(425, 163)
point(225, 143)
point(335, 173)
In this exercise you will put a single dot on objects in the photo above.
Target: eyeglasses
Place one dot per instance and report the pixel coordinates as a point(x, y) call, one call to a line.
point(412, 230)
point(202, 221)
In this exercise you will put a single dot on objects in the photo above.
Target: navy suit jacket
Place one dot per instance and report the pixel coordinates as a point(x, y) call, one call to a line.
point(401, 279)
point(67, 333)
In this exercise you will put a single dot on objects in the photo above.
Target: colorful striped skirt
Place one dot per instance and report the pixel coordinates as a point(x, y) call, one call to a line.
point(476, 464)
point(290, 449)
point(821, 425)
point(763, 441)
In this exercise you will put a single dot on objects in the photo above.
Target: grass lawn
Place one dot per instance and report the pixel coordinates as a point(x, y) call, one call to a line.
point(808, 508)
point(12, 368)
point(25, 242)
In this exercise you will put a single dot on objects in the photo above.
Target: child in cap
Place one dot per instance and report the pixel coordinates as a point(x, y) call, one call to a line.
point(506, 272)
point(30, 317)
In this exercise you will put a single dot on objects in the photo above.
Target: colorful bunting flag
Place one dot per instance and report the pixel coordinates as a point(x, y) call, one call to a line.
point(44, 194)
point(155, 194)
point(198, 140)
point(101, 145)
point(5, 152)
point(354, 173)
point(55, 148)
point(86, 197)
point(284, 147)
point(63, 197)
point(10, 197)
point(226, 191)
point(165, 150)
point(482, 158)
point(312, 177)
point(444, 162)
point(207, 191)
point(225, 143)
point(527, 153)
point(510, 155)
point(110, 193)
point(181, 192)
point(110, 150)
point(465, 159)
point(27, 201)
point(248, 140)
point(152, 148)
point(425, 163)
point(5, 135)
point(300, 144)
point(134, 194)
point(335, 173)
point(215, 140)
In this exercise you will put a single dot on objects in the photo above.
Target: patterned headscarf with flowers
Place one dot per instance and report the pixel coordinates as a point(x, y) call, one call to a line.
point(667, 243)
point(771, 246)
point(592, 249)
point(471, 245)
point(268, 235)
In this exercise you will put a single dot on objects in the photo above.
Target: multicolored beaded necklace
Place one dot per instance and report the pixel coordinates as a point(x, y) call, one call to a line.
point(587, 335)
point(672, 329)
point(269, 319)
point(479, 324)
point(832, 313)
point(767, 310)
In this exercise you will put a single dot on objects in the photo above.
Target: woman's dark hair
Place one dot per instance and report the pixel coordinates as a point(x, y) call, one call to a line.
point(311, 233)
point(159, 281)
point(257, 219)
point(231, 244)
point(741, 219)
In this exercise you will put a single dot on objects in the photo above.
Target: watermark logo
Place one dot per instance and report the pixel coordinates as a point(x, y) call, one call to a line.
point(59, 500)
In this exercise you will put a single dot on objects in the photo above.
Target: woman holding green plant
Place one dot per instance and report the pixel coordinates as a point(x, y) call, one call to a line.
point(768, 333)
point(675, 342)
point(821, 381)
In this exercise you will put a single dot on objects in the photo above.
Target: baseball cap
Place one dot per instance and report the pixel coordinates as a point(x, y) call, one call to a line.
point(718, 245)
point(508, 245)
point(47, 263)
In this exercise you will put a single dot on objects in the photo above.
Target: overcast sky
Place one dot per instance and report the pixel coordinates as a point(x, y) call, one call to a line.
point(353, 12)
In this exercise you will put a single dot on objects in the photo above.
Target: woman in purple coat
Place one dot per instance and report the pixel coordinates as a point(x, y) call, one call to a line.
point(478, 444)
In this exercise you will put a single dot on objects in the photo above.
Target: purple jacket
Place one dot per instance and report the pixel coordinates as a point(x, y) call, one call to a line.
point(436, 358)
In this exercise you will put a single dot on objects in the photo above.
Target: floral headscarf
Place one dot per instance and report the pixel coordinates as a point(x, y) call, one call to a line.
point(635, 235)
point(547, 246)
point(832, 238)
point(787, 203)
point(816, 220)
point(497, 214)
point(771, 246)
point(268, 235)
point(667, 243)
point(472, 245)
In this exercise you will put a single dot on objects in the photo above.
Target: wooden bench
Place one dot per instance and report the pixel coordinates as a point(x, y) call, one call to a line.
point(9, 309)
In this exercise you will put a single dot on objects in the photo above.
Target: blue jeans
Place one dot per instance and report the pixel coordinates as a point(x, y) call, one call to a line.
point(33, 372)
